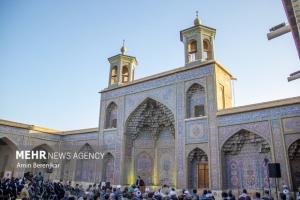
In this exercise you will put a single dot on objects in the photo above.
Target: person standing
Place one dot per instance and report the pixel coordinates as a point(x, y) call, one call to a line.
point(140, 184)
point(267, 195)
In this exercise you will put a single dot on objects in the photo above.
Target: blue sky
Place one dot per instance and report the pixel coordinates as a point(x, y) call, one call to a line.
point(53, 54)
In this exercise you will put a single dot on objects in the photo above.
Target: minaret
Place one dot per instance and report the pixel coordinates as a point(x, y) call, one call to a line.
point(198, 42)
point(122, 68)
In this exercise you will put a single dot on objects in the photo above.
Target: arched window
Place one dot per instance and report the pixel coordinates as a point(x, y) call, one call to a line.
point(125, 74)
point(192, 49)
point(111, 116)
point(207, 53)
point(195, 101)
point(114, 75)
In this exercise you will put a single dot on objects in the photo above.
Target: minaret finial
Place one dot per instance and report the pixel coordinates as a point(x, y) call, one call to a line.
point(123, 48)
point(197, 21)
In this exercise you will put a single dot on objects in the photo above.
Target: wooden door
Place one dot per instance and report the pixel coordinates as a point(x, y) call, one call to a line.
point(203, 177)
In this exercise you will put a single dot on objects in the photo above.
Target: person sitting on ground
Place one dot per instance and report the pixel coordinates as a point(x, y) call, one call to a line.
point(257, 196)
point(164, 190)
point(203, 196)
point(157, 195)
point(286, 191)
point(102, 192)
point(195, 195)
point(172, 194)
point(187, 195)
point(67, 195)
point(118, 193)
point(150, 195)
point(244, 195)
point(24, 192)
point(209, 195)
point(138, 196)
point(97, 196)
point(230, 195)
point(224, 195)
point(112, 195)
point(267, 195)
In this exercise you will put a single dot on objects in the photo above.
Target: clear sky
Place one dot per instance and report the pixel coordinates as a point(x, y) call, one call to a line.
point(53, 53)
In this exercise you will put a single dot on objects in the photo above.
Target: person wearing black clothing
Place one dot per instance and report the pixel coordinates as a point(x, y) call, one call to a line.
point(257, 196)
point(230, 195)
point(195, 196)
point(267, 196)
point(140, 184)
point(224, 196)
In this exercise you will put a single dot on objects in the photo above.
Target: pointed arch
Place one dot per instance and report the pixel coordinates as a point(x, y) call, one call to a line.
point(114, 75)
point(195, 101)
point(108, 168)
point(7, 156)
point(48, 149)
point(150, 115)
point(85, 168)
point(192, 46)
point(207, 49)
point(198, 174)
point(111, 115)
point(294, 161)
point(125, 74)
point(244, 158)
point(43, 146)
point(144, 166)
point(8, 141)
point(151, 122)
point(198, 154)
point(192, 50)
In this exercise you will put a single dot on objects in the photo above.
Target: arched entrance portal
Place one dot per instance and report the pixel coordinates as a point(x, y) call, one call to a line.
point(85, 168)
point(244, 161)
point(44, 171)
point(108, 168)
point(198, 176)
point(150, 144)
point(7, 157)
point(294, 158)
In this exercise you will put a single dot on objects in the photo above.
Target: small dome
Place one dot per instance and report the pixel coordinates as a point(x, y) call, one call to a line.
point(123, 50)
point(197, 21)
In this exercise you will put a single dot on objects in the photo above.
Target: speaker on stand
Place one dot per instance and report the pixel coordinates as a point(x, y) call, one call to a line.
point(274, 172)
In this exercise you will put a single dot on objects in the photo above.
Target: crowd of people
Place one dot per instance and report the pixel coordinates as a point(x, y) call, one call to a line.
point(36, 188)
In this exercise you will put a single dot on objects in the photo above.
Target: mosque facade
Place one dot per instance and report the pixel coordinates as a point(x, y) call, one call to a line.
point(177, 128)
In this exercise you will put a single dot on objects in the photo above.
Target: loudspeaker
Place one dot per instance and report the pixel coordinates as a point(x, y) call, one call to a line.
point(274, 170)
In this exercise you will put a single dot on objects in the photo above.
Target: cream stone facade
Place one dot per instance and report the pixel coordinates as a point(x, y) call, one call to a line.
point(177, 128)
